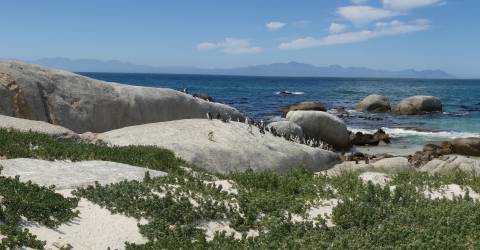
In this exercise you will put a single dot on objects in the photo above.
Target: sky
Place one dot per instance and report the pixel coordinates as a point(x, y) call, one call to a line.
point(380, 34)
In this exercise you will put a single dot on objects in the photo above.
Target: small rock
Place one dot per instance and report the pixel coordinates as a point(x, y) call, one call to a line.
point(316, 106)
point(374, 103)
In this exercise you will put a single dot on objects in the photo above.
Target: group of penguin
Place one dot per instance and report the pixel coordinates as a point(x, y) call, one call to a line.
point(262, 128)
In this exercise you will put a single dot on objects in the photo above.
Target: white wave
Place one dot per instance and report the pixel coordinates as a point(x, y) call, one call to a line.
point(275, 119)
point(401, 132)
point(289, 93)
point(349, 111)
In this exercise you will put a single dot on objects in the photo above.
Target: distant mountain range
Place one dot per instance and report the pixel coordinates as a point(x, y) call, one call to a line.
point(274, 69)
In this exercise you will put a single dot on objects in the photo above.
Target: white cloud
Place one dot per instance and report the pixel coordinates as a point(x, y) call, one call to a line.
point(403, 5)
point(337, 27)
point(361, 14)
point(232, 46)
point(301, 23)
point(273, 26)
point(381, 29)
point(358, 1)
point(206, 46)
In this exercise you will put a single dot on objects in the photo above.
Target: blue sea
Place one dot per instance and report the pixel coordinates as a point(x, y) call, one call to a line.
point(259, 98)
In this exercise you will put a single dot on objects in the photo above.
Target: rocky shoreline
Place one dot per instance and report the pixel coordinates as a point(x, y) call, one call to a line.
point(176, 169)
point(209, 134)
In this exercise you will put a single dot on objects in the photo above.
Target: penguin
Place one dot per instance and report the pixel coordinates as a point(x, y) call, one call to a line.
point(218, 116)
point(185, 90)
point(261, 130)
point(209, 116)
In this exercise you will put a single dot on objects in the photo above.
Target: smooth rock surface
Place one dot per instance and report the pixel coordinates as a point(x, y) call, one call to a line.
point(308, 105)
point(416, 105)
point(451, 163)
point(321, 126)
point(387, 165)
point(394, 164)
point(67, 175)
point(223, 147)
point(25, 125)
point(374, 103)
point(83, 104)
point(286, 128)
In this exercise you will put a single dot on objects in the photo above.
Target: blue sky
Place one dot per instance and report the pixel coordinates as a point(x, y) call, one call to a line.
point(384, 34)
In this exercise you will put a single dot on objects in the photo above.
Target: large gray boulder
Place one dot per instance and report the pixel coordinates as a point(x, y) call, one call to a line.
point(321, 126)
point(223, 147)
point(388, 165)
point(25, 125)
point(286, 128)
point(449, 164)
point(416, 105)
point(84, 104)
point(374, 103)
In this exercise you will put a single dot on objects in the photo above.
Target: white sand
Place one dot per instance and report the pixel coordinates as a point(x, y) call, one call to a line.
point(211, 227)
point(323, 208)
point(376, 178)
point(96, 227)
point(451, 191)
point(227, 186)
point(395, 150)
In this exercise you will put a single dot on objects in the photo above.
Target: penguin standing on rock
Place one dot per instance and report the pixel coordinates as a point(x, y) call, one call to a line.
point(219, 117)
point(209, 116)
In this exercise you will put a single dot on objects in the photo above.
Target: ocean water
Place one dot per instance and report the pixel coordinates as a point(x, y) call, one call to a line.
point(260, 98)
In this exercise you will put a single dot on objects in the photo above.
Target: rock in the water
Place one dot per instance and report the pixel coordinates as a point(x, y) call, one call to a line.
point(83, 104)
point(322, 126)
point(466, 146)
point(25, 125)
point(315, 106)
point(361, 139)
point(203, 96)
point(223, 147)
point(416, 105)
point(430, 152)
point(286, 128)
point(461, 146)
point(450, 163)
point(374, 103)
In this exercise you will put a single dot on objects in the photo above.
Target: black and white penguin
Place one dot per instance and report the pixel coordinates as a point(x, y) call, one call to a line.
point(209, 116)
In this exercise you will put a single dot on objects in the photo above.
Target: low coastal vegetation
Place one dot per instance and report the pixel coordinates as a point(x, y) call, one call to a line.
point(262, 210)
